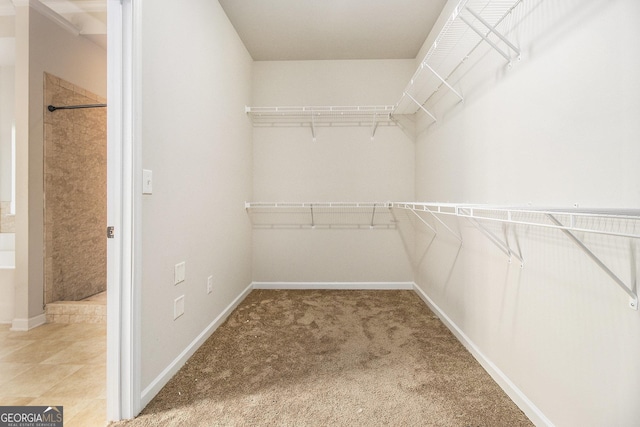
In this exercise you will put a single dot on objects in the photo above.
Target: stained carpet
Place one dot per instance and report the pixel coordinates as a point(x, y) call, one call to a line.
point(331, 358)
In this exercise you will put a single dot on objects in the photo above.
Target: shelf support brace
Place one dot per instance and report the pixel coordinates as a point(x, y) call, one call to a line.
point(313, 133)
point(424, 222)
point(486, 39)
point(375, 125)
point(494, 31)
point(444, 225)
point(313, 221)
point(506, 240)
point(443, 81)
point(633, 298)
point(373, 214)
point(421, 107)
point(503, 246)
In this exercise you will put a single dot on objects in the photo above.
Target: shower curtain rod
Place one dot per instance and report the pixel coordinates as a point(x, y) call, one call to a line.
point(53, 108)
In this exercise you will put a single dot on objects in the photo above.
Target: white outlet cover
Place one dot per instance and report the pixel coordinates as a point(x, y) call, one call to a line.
point(209, 284)
point(179, 273)
point(178, 307)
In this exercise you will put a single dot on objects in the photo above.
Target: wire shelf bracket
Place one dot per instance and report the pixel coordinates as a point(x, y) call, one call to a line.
point(421, 106)
point(633, 297)
point(374, 125)
point(435, 232)
point(313, 130)
point(432, 209)
point(443, 80)
point(502, 245)
point(493, 30)
point(576, 220)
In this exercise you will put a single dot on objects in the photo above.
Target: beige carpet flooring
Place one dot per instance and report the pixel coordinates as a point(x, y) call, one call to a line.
point(331, 358)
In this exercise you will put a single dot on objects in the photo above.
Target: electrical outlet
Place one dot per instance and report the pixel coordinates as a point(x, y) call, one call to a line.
point(179, 273)
point(209, 284)
point(178, 307)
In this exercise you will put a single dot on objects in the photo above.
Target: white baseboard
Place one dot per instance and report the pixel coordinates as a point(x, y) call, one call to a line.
point(335, 285)
point(519, 398)
point(161, 380)
point(30, 323)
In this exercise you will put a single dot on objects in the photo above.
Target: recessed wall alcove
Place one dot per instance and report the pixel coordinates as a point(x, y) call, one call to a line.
point(75, 208)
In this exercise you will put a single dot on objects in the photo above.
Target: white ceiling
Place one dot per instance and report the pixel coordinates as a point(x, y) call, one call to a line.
point(292, 29)
point(332, 29)
point(87, 17)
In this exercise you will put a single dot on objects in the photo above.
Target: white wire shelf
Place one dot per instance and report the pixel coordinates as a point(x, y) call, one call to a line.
point(624, 223)
point(370, 116)
point(348, 215)
point(613, 222)
point(472, 23)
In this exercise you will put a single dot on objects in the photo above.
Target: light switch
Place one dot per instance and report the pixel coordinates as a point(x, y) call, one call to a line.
point(147, 181)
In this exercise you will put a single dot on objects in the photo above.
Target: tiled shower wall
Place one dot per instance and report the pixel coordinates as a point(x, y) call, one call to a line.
point(75, 191)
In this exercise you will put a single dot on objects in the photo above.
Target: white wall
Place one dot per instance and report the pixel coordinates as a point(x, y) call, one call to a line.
point(343, 164)
point(7, 84)
point(197, 141)
point(41, 45)
point(558, 128)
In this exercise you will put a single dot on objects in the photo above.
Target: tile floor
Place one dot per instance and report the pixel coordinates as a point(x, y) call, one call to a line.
point(56, 365)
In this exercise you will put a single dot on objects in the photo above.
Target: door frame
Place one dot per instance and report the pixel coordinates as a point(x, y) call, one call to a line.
point(123, 213)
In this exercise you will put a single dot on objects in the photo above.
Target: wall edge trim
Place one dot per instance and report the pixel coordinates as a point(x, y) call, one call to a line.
point(335, 285)
point(28, 324)
point(515, 394)
point(163, 378)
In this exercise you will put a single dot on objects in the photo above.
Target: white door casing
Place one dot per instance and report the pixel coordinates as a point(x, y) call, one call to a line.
point(123, 200)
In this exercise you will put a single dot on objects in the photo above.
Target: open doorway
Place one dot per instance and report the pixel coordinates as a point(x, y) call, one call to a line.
point(7, 166)
point(75, 203)
point(63, 44)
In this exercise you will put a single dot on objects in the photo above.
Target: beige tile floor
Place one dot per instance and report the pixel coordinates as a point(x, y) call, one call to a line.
point(56, 365)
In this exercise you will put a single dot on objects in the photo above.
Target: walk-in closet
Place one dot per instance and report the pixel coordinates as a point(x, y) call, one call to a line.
point(373, 213)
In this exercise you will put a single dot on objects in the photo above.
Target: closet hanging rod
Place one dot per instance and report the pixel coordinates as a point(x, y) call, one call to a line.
point(53, 108)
